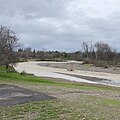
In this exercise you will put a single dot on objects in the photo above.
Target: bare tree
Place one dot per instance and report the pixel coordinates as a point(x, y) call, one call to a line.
point(103, 51)
point(86, 49)
point(8, 45)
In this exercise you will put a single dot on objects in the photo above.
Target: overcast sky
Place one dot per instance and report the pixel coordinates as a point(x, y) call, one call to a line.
point(62, 24)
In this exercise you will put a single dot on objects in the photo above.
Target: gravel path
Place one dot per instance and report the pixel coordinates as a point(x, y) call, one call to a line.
point(45, 69)
point(78, 66)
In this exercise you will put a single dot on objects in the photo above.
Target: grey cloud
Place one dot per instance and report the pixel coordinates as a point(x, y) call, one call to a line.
point(61, 24)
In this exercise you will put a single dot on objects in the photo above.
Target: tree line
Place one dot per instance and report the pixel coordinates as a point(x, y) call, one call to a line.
point(28, 53)
point(99, 54)
point(11, 51)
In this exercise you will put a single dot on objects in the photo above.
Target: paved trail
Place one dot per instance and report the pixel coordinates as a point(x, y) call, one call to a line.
point(13, 95)
point(34, 68)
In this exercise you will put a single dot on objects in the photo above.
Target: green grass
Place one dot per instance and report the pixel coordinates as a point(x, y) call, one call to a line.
point(28, 78)
point(75, 101)
point(88, 65)
point(14, 76)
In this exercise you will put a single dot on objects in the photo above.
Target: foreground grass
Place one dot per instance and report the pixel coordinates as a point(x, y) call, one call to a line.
point(74, 101)
point(61, 110)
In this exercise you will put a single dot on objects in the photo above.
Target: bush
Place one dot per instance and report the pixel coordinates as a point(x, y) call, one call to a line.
point(23, 73)
point(104, 64)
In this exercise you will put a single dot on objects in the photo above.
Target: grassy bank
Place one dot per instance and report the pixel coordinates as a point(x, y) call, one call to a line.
point(75, 101)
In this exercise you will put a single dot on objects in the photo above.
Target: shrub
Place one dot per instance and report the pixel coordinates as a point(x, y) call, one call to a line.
point(23, 73)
